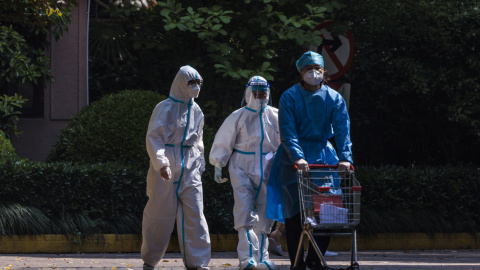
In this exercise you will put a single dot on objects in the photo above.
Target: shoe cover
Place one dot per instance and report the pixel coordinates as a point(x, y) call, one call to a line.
point(266, 265)
point(247, 264)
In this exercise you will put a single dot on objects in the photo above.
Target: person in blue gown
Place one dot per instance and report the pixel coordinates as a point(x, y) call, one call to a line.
point(310, 113)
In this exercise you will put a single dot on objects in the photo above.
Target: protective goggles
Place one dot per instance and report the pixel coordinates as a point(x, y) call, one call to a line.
point(195, 81)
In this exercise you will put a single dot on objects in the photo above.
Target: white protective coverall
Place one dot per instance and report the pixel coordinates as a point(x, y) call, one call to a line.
point(174, 139)
point(248, 138)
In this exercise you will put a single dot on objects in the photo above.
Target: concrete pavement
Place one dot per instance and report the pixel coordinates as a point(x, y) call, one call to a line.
point(464, 259)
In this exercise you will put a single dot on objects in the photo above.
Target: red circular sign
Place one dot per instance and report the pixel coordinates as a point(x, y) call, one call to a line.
point(337, 51)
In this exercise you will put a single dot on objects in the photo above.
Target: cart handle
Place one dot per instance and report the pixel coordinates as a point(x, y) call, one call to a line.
point(322, 166)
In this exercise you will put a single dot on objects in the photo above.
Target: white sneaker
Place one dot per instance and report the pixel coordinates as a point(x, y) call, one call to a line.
point(330, 253)
point(273, 248)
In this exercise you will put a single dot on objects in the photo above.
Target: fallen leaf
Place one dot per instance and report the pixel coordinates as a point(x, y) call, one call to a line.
point(130, 265)
point(165, 261)
point(113, 267)
point(226, 264)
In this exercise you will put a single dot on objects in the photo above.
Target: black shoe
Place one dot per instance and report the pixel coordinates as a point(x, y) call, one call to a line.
point(148, 267)
point(298, 268)
point(314, 265)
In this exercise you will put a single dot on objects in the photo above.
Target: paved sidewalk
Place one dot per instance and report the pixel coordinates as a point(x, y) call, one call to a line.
point(369, 260)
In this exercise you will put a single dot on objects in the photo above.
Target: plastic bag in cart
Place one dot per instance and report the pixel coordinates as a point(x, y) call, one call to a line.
point(330, 213)
point(331, 180)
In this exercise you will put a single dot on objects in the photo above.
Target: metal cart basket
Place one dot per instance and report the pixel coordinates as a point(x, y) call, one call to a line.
point(329, 205)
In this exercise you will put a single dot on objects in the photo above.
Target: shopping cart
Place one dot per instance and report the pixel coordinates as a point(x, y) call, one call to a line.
point(329, 205)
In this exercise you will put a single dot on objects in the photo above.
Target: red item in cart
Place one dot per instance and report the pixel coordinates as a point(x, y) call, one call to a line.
point(326, 198)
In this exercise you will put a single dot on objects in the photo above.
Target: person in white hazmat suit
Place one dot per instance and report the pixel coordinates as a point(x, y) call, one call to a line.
point(175, 145)
point(248, 138)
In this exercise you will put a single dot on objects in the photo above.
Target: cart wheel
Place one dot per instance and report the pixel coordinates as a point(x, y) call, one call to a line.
point(354, 266)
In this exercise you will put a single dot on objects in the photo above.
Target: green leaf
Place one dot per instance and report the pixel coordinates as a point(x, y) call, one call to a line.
point(199, 20)
point(268, 8)
point(264, 39)
point(225, 19)
point(169, 26)
point(182, 27)
point(203, 35)
point(216, 27)
point(265, 65)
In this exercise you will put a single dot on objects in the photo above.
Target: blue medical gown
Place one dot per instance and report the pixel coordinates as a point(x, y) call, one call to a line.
point(307, 120)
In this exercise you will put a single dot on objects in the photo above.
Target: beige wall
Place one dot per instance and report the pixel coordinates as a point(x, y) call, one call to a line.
point(65, 97)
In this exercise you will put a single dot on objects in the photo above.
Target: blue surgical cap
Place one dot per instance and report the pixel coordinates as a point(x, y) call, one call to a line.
point(309, 58)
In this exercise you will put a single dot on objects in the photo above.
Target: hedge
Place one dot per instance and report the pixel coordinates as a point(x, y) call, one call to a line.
point(422, 199)
point(91, 198)
point(107, 198)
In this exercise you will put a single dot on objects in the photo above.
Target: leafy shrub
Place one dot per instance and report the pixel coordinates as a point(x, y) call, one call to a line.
point(422, 199)
point(64, 198)
point(92, 198)
point(112, 129)
point(6, 148)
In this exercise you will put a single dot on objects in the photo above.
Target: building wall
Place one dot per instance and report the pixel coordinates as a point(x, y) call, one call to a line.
point(63, 98)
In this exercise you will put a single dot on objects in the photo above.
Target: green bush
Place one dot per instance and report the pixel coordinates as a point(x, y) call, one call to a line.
point(421, 199)
point(112, 129)
point(66, 198)
point(39, 198)
point(6, 148)
point(95, 198)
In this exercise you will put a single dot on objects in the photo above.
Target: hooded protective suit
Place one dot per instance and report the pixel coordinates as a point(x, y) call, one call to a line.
point(248, 138)
point(174, 139)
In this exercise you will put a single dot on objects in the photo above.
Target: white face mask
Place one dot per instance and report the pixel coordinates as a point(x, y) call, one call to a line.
point(313, 77)
point(194, 90)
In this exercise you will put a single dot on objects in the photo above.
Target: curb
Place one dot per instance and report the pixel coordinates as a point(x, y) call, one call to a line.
point(131, 243)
